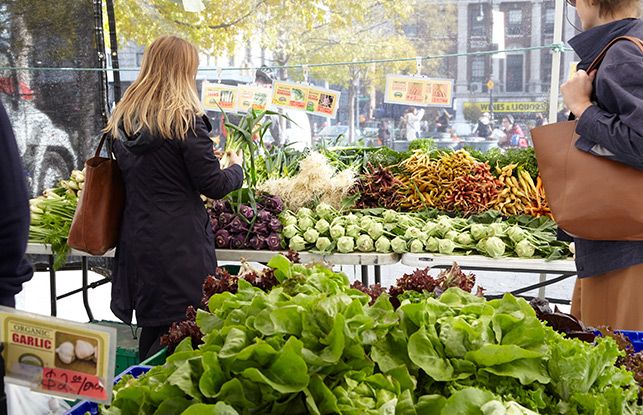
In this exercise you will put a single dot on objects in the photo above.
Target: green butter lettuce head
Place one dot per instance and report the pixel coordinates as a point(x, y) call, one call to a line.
point(399, 245)
point(365, 244)
point(383, 245)
point(525, 249)
point(495, 247)
point(337, 231)
point(345, 244)
point(297, 243)
point(323, 244)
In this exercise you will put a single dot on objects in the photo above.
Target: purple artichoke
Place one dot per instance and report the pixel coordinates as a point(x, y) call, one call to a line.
point(273, 242)
point(222, 238)
point(238, 241)
point(214, 222)
point(237, 225)
point(219, 206)
point(225, 218)
point(265, 216)
point(247, 212)
point(257, 243)
point(273, 204)
point(275, 225)
point(261, 228)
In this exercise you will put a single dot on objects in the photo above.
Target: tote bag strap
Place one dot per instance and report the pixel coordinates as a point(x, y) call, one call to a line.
point(100, 146)
point(638, 42)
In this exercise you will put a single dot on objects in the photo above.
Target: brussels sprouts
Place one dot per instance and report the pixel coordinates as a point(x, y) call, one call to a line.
point(351, 219)
point(290, 231)
point(446, 246)
point(297, 243)
point(375, 230)
point(443, 225)
point(432, 245)
point(337, 231)
point(525, 249)
point(288, 219)
point(430, 228)
point(304, 213)
point(464, 238)
point(345, 244)
point(452, 235)
point(479, 231)
point(516, 233)
point(383, 244)
point(412, 233)
point(325, 211)
point(399, 245)
point(494, 247)
point(311, 236)
point(416, 246)
point(390, 216)
point(365, 243)
point(353, 231)
point(322, 226)
point(498, 229)
point(323, 244)
point(305, 223)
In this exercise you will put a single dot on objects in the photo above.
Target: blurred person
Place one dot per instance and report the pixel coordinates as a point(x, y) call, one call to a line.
point(442, 121)
point(166, 245)
point(384, 132)
point(412, 121)
point(514, 136)
point(608, 106)
point(540, 120)
point(483, 128)
point(14, 220)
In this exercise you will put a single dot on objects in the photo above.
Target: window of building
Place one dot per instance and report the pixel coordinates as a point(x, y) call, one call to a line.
point(478, 19)
point(514, 81)
point(545, 72)
point(514, 22)
point(549, 20)
point(139, 59)
point(478, 69)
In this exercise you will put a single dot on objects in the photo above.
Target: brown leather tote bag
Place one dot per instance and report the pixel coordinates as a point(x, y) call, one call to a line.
point(591, 197)
point(97, 220)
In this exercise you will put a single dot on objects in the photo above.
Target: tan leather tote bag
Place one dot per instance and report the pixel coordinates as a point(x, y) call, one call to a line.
point(591, 197)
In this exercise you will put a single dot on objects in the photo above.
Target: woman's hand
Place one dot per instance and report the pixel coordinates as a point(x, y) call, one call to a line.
point(234, 158)
point(218, 154)
point(577, 92)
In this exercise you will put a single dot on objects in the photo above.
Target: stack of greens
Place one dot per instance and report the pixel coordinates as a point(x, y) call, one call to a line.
point(378, 230)
point(52, 214)
point(314, 345)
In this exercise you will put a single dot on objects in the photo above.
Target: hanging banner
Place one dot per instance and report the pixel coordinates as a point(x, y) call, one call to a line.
point(418, 91)
point(314, 100)
point(255, 97)
point(58, 357)
point(223, 95)
point(321, 101)
point(510, 106)
point(289, 95)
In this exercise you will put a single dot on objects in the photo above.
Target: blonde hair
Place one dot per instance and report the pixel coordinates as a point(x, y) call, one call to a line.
point(163, 98)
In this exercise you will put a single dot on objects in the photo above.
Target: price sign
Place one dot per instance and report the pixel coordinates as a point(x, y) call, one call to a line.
point(58, 357)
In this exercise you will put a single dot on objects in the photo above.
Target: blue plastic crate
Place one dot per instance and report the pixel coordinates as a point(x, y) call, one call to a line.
point(636, 337)
point(86, 407)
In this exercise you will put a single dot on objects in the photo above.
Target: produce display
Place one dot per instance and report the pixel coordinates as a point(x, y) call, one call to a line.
point(52, 214)
point(520, 194)
point(316, 181)
point(239, 226)
point(378, 230)
point(312, 344)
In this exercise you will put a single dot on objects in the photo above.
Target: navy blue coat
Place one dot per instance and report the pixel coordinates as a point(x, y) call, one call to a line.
point(14, 216)
point(613, 127)
point(166, 244)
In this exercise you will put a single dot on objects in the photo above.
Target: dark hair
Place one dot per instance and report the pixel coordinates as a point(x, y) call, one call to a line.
point(610, 7)
point(264, 74)
point(509, 118)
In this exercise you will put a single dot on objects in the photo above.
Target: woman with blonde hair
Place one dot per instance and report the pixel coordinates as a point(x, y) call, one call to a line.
point(608, 105)
point(166, 244)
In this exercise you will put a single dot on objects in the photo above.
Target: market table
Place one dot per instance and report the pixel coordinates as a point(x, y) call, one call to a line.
point(362, 259)
point(565, 268)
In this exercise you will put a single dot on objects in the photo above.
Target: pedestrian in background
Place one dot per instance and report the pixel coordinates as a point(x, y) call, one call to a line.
point(483, 128)
point(608, 105)
point(166, 245)
point(413, 118)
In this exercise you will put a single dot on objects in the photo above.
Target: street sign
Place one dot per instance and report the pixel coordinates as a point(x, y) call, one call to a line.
point(490, 84)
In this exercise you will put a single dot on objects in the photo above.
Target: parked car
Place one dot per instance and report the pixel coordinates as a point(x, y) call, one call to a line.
point(334, 135)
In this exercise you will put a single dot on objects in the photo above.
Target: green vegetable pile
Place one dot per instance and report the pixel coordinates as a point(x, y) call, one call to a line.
point(377, 230)
point(314, 345)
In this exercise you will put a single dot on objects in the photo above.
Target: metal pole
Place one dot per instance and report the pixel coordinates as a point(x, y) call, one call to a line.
point(555, 62)
point(113, 43)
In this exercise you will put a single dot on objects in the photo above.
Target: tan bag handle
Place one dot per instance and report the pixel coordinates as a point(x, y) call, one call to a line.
point(100, 147)
point(638, 42)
